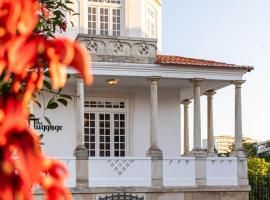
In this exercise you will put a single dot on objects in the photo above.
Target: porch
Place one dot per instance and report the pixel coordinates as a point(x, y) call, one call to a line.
point(149, 95)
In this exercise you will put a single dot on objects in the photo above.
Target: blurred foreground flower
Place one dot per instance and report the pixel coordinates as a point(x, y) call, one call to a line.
point(24, 56)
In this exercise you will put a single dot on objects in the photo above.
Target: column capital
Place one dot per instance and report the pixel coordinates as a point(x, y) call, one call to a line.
point(153, 78)
point(238, 83)
point(210, 93)
point(186, 102)
point(196, 81)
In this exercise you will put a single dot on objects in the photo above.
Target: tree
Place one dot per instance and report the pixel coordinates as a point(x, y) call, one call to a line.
point(27, 51)
point(258, 166)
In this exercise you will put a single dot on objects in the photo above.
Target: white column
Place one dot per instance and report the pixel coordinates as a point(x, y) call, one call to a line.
point(186, 103)
point(153, 112)
point(154, 151)
point(197, 114)
point(198, 152)
point(238, 115)
point(242, 168)
point(81, 152)
point(80, 112)
point(210, 124)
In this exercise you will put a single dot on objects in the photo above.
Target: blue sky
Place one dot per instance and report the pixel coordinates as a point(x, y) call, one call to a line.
point(233, 31)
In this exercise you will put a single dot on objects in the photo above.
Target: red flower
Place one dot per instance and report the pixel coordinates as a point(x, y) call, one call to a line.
point(61, 53)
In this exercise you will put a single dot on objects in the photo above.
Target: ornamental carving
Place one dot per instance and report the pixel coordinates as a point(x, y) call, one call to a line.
point(144, 50)
point(120, 166)
point(92, 46)
point(118, 48)
point(178, 161)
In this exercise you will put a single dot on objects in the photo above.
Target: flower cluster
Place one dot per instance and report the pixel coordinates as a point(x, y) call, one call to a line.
point(24, 55)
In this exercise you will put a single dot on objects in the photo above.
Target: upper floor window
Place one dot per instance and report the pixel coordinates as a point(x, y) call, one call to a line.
point(151, 22)
point(104, 17)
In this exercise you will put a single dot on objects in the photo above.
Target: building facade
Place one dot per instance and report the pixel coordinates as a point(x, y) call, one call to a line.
point(122, 135)
point(224, 143)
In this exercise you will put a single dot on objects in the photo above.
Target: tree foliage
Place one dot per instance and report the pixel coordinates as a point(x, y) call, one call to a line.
point(258, 166)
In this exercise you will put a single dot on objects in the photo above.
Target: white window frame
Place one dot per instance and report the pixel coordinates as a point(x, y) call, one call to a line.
point(110, 6)
point(98, 110)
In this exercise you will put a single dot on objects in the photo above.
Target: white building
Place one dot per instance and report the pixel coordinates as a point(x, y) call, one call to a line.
point(123, 133)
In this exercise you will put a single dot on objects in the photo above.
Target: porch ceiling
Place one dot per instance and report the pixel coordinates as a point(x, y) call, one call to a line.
point(184, 85)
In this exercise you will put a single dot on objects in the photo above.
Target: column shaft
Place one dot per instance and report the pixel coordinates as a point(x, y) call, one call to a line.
point(197, 114)
point(153, 113)
point(186, 126)
point(81, 152)
point(80, 112)
point(238, 116)
point(210, 124)
point(154, 152)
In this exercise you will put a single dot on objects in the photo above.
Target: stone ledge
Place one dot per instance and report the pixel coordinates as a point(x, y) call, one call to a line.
point(100, 190)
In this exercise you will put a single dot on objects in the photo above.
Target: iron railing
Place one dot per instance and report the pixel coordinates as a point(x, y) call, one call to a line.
point(121, 196)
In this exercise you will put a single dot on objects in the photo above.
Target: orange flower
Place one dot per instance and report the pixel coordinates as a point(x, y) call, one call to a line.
point(62, 53)
point(53, 178)
point(18, 137)
point(22, 52)
point(17, 15)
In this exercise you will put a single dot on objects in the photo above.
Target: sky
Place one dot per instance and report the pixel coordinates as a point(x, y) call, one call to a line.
point(231, 31)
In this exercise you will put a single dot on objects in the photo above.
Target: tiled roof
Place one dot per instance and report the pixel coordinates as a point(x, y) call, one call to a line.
point(192, 62)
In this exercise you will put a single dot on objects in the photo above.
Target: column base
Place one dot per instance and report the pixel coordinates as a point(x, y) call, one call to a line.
point(198, 153)
point(240, 153)
point(81, 155)
point(200, 166)
point(155, 153)
point(211, 154)
point(81, 152)
point(156, 166)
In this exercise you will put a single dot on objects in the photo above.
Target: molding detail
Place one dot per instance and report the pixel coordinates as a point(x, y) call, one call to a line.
point(120, 49)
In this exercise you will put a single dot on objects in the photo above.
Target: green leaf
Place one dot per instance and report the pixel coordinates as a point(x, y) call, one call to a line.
point(52, 105)
point(47, 85)
point(48, 120)
point(41, 136)
point(36, 102)
point(65, 96)
point(62, 101)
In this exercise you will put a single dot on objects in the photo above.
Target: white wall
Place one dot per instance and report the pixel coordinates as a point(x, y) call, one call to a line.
point(134, 19)
point(63, 142)
point(169, 132)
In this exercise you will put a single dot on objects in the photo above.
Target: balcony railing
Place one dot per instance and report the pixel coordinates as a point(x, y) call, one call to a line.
point(136, 171)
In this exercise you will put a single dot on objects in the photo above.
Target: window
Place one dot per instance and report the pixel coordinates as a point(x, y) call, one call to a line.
point(104, 17)
point(105, 127)
point(151, 22)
